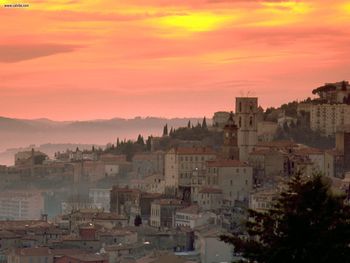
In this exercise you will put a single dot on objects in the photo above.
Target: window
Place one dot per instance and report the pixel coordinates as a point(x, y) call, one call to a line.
point(251, 106)
point(251, 121)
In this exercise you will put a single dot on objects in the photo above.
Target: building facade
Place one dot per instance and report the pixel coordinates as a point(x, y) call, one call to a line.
point(246, 117)
point(163, 212)
point(232, 177)
point(230, 148)
point(328, 118)
point(180, 163)
point(19, 205)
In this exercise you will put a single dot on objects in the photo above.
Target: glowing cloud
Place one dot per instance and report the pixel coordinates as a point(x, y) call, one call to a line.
point(193, 22)
point(166, 57)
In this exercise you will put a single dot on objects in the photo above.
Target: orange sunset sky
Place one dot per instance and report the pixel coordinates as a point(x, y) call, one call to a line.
point(71, 59)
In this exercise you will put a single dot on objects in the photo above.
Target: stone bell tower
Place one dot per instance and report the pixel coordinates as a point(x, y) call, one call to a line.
point(246, 117)
point(230, 148)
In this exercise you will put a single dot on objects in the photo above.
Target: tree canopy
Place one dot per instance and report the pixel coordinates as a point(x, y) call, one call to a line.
point(307, 223)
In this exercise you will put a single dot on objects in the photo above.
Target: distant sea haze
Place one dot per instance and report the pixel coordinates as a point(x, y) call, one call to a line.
point(19, 133)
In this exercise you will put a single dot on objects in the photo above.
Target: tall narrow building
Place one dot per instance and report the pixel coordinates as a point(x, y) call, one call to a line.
point(246, 117)
point(230, 148)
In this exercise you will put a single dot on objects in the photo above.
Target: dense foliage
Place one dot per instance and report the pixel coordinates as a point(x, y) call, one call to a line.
point(302, 133)
point(306, 224)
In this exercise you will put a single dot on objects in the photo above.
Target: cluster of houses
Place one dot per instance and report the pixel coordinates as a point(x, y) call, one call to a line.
point(162, 206)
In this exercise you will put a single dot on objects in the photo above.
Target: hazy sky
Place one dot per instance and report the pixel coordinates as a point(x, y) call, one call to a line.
point(71, 59)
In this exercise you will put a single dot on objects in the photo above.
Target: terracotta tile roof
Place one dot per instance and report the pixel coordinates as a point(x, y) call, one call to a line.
point(115, 232)
point(193, 210)
point(309, 151)
point(38, 251)
point(208, 190)
point(334, 152)
point(108, 216)
point(99, 215)
point(225, 163)
point(151, 195)
point(67, 251)
point(23, 224)
point(87, 257)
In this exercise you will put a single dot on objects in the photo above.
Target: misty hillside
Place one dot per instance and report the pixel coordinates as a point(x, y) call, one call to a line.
point(17, 133)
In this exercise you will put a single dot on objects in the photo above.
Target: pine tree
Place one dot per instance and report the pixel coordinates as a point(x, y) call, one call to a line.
point(189, 124)
point(140, 140)
point(307, 224)
point(118, 142)
point(149, 143)
point(165, 130)
point(204, 123)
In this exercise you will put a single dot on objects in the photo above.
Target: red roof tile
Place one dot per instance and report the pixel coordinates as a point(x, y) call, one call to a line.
point(38, 251)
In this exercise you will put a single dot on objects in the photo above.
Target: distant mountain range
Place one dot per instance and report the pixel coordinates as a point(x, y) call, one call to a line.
point(18, 133)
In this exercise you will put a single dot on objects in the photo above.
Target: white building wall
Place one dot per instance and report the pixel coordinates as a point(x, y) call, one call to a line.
point(212, 250)
point(327, 118)
point(171, 170)
point(100, 198)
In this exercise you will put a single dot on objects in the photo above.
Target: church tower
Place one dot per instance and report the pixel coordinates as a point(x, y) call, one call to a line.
point(246, 117)
point(230, 148)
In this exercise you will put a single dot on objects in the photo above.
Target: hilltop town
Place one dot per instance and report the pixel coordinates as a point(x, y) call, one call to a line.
point(169, 198)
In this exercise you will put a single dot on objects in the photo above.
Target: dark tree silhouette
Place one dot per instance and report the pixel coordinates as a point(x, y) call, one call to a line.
point(140, 140)
point(138, 220)
point(165, 130)
point(307, 224)
point(204, 123)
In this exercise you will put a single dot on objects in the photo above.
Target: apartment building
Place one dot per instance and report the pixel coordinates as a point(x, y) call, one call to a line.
point(328, 118)
point(233, 177)
point(163, 212)
point(181, 162)
point(100, 198)
point(20, 205)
